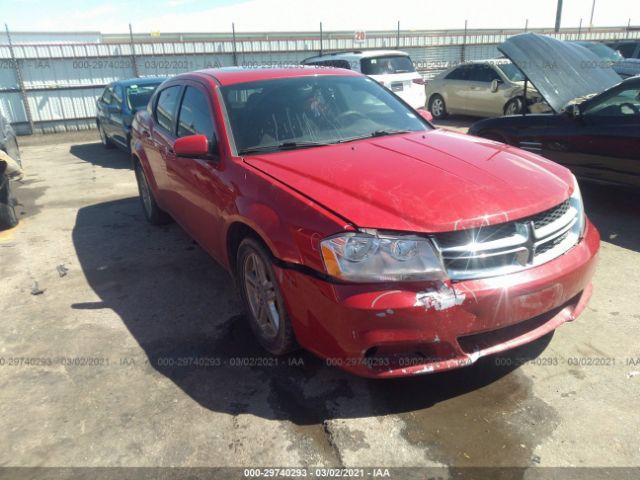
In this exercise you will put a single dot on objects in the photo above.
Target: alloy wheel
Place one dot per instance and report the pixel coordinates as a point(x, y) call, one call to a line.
point(261, 295)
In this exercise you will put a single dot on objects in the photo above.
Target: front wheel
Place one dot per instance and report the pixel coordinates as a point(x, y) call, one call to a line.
point(514, 106)
point(262, 299)
point(437, 107)
point(152, 212)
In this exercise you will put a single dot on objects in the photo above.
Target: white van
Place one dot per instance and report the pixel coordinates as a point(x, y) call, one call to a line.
point(392, 68)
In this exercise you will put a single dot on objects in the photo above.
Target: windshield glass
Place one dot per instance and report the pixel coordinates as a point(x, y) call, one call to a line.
point(512, 72)
point(386, 65)
point(309, 110)
point(138, 95)
point(603, 51)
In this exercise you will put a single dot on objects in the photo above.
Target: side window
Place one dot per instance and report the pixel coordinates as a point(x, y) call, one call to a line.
point(166, 107)
point(486, 73)
point(117, 96)
point(460, 73)
point(624, 103)
point(107, 95)
point(195, 115)
point(476, 73)
point(627, 49)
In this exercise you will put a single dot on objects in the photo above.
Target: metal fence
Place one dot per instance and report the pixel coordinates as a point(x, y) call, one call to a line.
point(49, 87)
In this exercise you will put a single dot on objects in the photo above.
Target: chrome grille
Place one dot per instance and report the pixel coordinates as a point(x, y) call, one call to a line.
point(511, 246)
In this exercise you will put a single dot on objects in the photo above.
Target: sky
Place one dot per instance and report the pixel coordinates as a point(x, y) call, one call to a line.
point(114, 16)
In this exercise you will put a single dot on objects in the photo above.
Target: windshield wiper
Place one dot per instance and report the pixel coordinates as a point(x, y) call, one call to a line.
point(377, 133)
point(281, 146)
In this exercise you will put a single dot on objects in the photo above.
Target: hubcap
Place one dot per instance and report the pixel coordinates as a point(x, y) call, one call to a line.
point(437, 107)
point(145, 194)
point(261, 295)
point(514, 107)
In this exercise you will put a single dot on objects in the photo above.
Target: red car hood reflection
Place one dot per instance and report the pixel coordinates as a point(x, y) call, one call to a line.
point(430, 181)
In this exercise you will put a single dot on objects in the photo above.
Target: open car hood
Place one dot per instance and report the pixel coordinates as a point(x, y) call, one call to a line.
point(560, 71)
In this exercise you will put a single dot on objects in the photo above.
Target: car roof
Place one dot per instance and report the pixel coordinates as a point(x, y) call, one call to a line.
point(232, 75)
point(356, 54)
point(139, 81)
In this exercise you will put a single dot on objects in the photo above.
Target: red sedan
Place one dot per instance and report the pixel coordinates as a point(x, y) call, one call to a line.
point(357, 230)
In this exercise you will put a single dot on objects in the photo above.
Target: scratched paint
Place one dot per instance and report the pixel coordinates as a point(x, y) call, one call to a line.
point(439, 299)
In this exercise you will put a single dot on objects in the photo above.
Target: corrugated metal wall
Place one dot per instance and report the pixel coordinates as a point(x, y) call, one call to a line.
point(61, 81)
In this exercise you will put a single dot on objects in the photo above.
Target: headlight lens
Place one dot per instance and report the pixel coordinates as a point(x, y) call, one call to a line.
point(576, 202)
point(362, 257)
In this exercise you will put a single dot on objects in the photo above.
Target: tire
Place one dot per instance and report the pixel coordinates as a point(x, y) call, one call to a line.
point(262, 299)
point(8, 218)
point(106, 142)
point(437, 107)
point(152, 212)
point(514, 106)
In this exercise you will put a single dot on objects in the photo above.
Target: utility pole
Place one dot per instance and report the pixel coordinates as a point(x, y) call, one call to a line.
point(235, 52)
point(134, 62)
point(558, 16)
point(593, 7)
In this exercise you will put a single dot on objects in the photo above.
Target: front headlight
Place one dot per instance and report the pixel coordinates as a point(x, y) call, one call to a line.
point(362, 257)
point(576, 202)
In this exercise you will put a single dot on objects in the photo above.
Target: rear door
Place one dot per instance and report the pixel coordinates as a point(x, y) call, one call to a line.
point(456, 86)
point(200, 190)
point(102, 106)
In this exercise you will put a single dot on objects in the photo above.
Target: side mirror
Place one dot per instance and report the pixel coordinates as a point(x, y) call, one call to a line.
point(426, 114)
point(495, 85)
point(575, 110)
point(192, 146)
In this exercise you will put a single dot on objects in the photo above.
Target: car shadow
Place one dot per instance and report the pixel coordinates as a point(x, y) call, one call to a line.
point(183, 311)
point(96, 154)
point(615, 211)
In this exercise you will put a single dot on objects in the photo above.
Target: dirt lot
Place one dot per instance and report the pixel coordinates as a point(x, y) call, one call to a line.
point(102, 316)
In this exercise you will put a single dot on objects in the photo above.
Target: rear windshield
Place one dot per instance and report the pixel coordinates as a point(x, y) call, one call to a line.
point(138, 95)
point(386, 65)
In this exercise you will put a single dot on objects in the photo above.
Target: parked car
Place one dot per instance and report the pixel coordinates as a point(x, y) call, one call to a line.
point(623, 67)
point(485, 88)
point(345, 218)
point(118, 104)
point(627, 48)
point(392, 68)
point(10, 168)
point(595, 127)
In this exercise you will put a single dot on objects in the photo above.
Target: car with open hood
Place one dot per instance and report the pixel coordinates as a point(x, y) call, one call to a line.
point(356, 229)
point(484, 88)
point(594, 128)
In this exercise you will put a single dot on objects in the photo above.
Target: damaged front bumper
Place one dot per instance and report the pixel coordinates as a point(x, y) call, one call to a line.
point(393, 330)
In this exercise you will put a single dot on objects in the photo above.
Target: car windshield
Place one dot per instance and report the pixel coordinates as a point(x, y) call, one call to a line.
point(387, 64)
point(512, 72)
point(138, 95)
point(604, 52)
point(300, 112)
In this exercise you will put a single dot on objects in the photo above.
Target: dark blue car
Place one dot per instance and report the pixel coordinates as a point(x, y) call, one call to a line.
point(118, 104)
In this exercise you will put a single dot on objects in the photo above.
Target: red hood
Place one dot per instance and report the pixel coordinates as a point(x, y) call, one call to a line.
point(423, 182)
